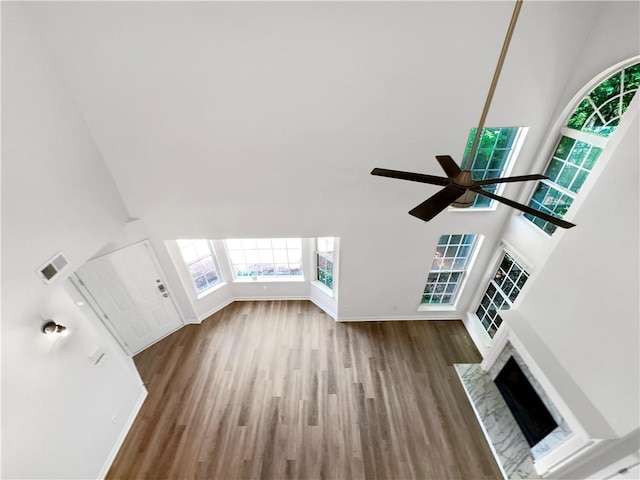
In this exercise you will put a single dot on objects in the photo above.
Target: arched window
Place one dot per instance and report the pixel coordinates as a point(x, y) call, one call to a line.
point(581, 142)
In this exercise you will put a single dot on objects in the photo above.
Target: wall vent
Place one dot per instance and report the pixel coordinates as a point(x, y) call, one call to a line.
point(53, 267)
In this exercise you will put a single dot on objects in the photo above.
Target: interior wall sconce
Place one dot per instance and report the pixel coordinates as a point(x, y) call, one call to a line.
point(52, 327)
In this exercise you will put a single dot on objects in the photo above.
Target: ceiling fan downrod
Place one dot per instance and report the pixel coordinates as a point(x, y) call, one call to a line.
point(494, 81)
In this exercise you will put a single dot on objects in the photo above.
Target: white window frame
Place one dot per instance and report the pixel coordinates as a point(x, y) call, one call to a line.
point(329, 258)
point(579, 136)
point(594, 139)
point(265, 278)
point(518, 142)
point(464, 273)
point(504, 296)
point(186, 265)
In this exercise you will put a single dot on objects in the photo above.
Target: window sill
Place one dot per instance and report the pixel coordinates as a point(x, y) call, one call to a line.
point(206, 292)
point(533, 228)
point(425, 307)
point(268, 279)
point(492, 208)
point(323, 288)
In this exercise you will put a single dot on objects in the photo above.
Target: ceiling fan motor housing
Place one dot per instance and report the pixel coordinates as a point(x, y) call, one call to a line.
point(465, 201)
point(463, 179)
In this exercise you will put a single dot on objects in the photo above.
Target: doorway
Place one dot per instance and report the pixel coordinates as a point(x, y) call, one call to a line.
point(127, 290)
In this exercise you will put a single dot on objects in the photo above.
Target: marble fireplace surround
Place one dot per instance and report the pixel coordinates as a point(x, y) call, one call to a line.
point(565, 444)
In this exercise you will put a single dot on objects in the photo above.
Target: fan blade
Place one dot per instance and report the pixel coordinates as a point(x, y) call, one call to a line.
point(521, 178)
point(433, 205)
point(449, 165)
point(525, 208)
point(414, 177)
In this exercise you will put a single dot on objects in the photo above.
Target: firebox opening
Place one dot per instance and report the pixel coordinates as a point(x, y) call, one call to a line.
point(530, 412)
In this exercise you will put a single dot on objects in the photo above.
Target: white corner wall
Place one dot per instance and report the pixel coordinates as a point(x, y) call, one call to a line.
point(584, 303)
point(62, 416)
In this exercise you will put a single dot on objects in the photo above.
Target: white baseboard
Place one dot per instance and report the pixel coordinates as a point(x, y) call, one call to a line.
point(324, 309)
point(442, 315)
point(255, 299)
point(215, 310)
point(268, 299)
point(437, 316)
point(123, 434)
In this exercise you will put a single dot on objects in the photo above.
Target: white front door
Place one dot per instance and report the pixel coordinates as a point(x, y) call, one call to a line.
point(128, 288)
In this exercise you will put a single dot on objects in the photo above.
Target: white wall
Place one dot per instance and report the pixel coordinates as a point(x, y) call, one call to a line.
point(61, 415)
point(584, 303)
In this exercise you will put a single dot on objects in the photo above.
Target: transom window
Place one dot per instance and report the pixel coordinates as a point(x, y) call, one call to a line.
point(494, 153)
point(324, 260)
point(265, 257)
point(581, 143)
point(600, 111)
point(199, 259)
point(502, 291)
point(449, 265)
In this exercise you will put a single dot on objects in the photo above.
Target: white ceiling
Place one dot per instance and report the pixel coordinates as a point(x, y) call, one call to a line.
point(259, 119)
point(223, 119)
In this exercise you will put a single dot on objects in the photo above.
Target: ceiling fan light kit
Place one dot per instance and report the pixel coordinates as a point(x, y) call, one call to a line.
point(460, 189)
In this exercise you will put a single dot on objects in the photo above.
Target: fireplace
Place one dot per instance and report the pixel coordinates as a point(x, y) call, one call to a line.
point(556, 435)
point(529, 411)
point(530, 429)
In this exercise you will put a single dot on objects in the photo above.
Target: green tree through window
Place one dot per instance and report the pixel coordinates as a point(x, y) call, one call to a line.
point(581, 142)
point(600, 111)
point(324, 260)
point(494, 152)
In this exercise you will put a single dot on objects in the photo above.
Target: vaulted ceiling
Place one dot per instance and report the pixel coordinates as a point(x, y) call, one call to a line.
point(264, 119)
point(221, 119)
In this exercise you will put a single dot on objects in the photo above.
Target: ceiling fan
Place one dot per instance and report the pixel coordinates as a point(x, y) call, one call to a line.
point(460, 189)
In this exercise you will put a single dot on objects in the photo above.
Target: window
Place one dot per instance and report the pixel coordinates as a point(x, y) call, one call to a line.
point(580, 144)
point(265, 257)
point(495, 151)
point(449, 265)
point(502, 291)
point(324, 261)
point(199, 259)
point(569, 167)
point(600, 111)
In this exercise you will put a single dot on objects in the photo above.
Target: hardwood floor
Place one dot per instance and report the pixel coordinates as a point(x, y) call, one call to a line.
point(277, 390)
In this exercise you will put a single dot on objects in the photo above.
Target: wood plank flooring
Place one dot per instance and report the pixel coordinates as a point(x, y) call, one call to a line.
point(278, 390)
